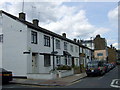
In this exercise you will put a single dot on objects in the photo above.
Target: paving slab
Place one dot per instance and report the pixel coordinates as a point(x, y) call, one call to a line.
point(55, 82)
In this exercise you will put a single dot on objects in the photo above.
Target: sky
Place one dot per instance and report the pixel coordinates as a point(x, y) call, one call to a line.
point(80, 19)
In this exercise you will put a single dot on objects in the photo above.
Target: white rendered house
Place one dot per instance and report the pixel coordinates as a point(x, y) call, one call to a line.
point(33, 52)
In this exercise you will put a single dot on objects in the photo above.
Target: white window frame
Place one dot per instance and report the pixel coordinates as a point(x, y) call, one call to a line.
point(57, 44)
point(58, 60)
point(47, 60)
point(65, 45)
point(71, 48)
point(1, 38)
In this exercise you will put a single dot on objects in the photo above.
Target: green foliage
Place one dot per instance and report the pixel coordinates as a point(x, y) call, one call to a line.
point(76, 67)
point(64, 67)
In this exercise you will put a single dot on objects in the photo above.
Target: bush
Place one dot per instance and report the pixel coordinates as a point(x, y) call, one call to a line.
point(64, 67)
point(76, 67)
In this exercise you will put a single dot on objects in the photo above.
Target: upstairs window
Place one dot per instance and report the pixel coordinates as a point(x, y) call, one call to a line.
point(1, 38)
point(100, 54)
point(33, 37)
point(76, 48)
point(71, 48)
point(65, 45)
point(46, 41)
point(57, 44)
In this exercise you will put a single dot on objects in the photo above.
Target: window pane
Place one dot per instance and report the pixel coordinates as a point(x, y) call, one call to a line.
point(1, 38)
point(57, 44)
point(100, 54)
point(65, 45)
point(46, 40)
point(47, 61)
point(33, 37)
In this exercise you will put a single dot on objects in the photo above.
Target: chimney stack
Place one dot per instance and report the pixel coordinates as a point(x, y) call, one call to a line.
point(75, 40)
point(35, 22)
point(111, 46)
point(78, 41)
point(22, 16)
point(64, 35)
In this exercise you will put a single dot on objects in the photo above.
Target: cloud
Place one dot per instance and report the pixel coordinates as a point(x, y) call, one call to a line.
point(113, 16)
point(58, 18)
point(116, 45)
point(74, 22)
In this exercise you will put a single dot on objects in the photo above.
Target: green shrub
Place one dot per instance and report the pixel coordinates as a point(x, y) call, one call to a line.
point(64, 67)
point(77, 67)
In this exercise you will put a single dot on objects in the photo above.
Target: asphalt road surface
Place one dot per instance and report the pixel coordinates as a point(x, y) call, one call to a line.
point(109, 80)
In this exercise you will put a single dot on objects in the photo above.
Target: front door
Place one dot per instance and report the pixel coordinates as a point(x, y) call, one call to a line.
point(34, 63)
point(73, 64)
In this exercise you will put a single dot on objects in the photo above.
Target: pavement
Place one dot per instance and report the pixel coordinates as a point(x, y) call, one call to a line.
point(54, 82)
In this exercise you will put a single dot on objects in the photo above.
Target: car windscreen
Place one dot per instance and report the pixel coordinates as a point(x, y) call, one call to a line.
point(92, 65)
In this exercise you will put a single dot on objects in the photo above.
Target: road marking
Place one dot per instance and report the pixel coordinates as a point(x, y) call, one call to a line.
point(73, 82)
point(115, 83)
point(100, 77)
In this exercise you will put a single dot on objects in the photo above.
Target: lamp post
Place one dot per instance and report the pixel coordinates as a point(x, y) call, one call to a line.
point(91, 46)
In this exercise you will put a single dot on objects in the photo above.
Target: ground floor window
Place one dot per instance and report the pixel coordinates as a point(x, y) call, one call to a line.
point(77, 62)
point(65, 60)
point(47, 60)
point(1, 38)
point(58, 60)
point(69, 60)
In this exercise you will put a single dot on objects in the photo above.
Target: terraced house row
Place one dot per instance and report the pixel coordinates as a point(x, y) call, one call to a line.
point(31, 51)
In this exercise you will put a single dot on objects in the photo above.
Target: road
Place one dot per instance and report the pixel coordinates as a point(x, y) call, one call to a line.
point(99, 81)
point(104, 81)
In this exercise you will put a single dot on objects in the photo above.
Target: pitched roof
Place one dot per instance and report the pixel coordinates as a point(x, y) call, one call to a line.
point(38, 28)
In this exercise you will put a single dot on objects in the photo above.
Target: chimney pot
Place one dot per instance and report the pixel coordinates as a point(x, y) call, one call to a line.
point(64, 35)
point(78, 41)
point(35, 22)
point(75, 40)
point(111, 46)
point(22, 16)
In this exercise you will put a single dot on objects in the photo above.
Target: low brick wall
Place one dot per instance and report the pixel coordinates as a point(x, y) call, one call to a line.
point(64, 73)
point(41, 76)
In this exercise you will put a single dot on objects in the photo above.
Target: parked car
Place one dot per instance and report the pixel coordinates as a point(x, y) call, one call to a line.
point(95, 68)
point(114, 64)
point(106, 66)
point(118, 62)
point(109, 67)
point(6, 75)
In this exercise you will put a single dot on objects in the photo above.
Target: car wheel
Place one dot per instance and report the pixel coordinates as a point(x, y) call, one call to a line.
point(88, 75)
point(100, 74)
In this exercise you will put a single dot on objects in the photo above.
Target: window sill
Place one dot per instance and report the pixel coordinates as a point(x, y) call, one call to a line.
point(47, 66)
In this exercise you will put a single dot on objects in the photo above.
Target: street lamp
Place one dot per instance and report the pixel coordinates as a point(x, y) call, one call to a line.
point(91, 46)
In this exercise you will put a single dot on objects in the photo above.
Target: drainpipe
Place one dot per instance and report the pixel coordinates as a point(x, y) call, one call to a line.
point(53, 55)
point(80, 60)
point(91, 47)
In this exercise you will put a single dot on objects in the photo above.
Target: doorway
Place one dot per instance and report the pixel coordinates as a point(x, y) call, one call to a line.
point(34, 63)
point(73, 64)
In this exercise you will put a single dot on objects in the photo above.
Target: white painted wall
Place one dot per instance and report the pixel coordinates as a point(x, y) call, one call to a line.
point(60, 51)
point(64, 73)
point(41, 76)
point(0, 42)
point(14, 44)
point(38, 48)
